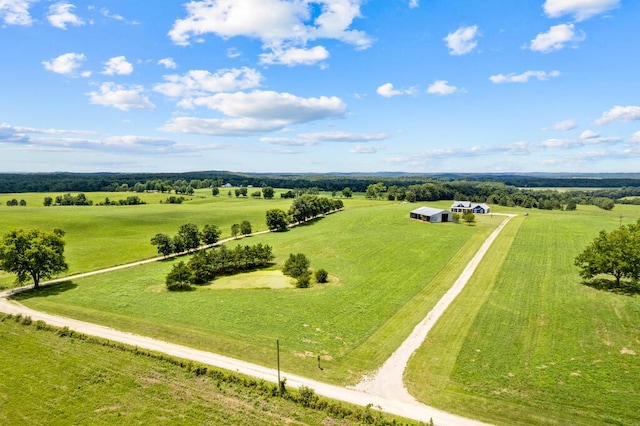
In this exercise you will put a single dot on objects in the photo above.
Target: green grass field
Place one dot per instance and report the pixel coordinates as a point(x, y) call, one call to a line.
point(527, 343)
point(102, 236)
point(388, 272)
point(47, 379)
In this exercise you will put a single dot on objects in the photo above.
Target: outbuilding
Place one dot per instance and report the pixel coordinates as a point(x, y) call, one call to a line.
point(430, 214)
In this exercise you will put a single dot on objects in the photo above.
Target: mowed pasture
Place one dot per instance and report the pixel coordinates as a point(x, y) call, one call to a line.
point(527, 343)
point(387, 271)
point(47, 379)
point(103, 236)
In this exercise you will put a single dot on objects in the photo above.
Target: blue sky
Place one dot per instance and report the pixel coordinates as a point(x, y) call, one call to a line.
point(320, 86)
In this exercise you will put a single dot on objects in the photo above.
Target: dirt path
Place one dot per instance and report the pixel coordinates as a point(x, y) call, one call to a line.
point(385, 390)
point(388, 380)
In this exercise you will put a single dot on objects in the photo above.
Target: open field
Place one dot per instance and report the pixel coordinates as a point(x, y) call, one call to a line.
point(526, 343)
point(387, 278)
point(103, 236)
point(47, 379)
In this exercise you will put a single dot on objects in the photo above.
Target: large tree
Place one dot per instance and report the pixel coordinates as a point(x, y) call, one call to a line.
point(615, 253)
point(190, 236)
point(277, 220)
point(164, 244)
point(33, 255)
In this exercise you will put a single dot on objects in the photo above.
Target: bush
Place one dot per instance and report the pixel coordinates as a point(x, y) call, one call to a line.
point(304, 280)
point(322, 276)
point(296, 265)
point(179, 278)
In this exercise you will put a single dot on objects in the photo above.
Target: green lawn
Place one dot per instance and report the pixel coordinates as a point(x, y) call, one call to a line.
point(388, 272)
point(527, 343)
point(47, 379)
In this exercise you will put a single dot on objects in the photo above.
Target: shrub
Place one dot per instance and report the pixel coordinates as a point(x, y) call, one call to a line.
point(322, 276)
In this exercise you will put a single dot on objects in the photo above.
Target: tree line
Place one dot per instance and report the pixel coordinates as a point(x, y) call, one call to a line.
point(188, 238)
point(205, 265)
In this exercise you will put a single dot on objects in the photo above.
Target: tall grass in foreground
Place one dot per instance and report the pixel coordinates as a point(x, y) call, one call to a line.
point(527, 343)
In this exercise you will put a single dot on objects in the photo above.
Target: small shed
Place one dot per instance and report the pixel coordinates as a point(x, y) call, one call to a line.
point(430, 214)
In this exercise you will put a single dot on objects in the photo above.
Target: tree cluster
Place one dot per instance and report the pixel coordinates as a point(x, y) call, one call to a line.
point(206, 265)
point(297, 266)
point(133, 200)
point(68, 200)
point(188, 238)
point(615, 253)
point(33, 254)
point(13, 202)
point(308, 206)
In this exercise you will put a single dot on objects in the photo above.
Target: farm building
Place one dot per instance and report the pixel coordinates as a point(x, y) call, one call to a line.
point(466, 206)
point(429, 214)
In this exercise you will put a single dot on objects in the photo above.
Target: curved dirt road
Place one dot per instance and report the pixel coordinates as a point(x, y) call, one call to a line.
point(385, 390)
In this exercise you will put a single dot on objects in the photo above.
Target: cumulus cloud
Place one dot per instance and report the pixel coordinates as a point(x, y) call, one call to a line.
point(200, 82)
point(441, 87)
point(256, 112)
point(279, 24)
point(579, 9)
point(120, 97)
point(524, 77)
point(635, 138)
point(16, 12)
point(563, 125)
point(168, 63)
point(67, 63)
point(306, 139)
point(619, 113)
point(295, 56)
point(61, 14)
point(221, 126)
point(365, 149)
point(589, 134)
point(269, 105)
point(557, 38)
point(118, 65)
point(463, 40)
point(387, 90)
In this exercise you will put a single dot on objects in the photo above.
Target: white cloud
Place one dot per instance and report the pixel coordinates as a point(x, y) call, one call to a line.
point(619, 113)
point(118, 65)
point(67, 63)
point(117, 96)
point(589, 134)
point(277, 23)
point(365, 149)
point(524, 77)
point(563, 125)
point(221, 127)
point(16, 12)
point(556, 38)
point(463, 40)
point(387, 91)
point(579, 9)
point(307, 139)
point(269, 105)
point(256, 112)
point(168, 63)
point(61, 14)
point(233, 52)
point(635, 138)
point(201, 82)
point(295, 56)
point(413, 4)
point(441, 87)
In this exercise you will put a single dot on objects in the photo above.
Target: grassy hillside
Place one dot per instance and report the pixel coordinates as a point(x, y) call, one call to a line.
point(387, 272)
point(527, 343)
point(48, 379)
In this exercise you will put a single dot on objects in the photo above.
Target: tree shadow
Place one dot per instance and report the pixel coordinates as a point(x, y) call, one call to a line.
point(627, 288)
point(45, 291)
point(311, 221)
